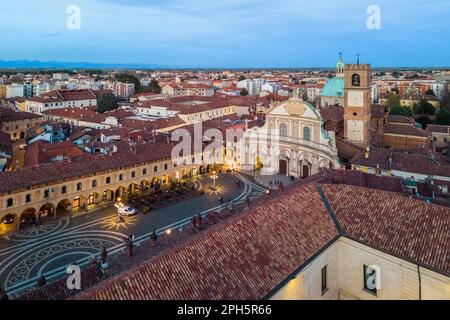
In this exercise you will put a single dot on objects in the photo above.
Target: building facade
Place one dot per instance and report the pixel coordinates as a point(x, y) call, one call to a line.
point(293, 142)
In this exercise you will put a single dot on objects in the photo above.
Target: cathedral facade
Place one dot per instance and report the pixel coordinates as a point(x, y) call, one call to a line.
point(292, 142)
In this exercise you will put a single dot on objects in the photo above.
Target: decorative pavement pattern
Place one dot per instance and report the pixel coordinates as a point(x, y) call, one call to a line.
point(49, 249)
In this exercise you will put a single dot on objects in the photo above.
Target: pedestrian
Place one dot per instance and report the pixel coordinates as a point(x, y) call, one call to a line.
point(199, 220)
point(42, 281)
point(104, 254)
point(153, 238)
point(130, 246)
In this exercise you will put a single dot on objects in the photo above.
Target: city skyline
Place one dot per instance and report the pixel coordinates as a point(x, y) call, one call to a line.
point(234, 34)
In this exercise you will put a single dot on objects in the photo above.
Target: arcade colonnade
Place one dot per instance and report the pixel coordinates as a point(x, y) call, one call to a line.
point(87, 193)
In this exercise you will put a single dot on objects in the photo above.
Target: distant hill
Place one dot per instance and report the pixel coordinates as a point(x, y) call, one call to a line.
point(27, 64)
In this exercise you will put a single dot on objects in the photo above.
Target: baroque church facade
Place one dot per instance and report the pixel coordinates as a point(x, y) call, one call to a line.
point(292, 142)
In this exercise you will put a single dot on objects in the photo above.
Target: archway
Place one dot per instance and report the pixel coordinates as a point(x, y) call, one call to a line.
point(176, 176)
point(165, 180)
point(306, 169)
point(121, 192)
point(133, 189)
point(28, 216)
point(93, 198)
point(63, 207)
point(258, 163)
point(47, 210)
point(184, 175)
point(108, 195)
point(145, 185)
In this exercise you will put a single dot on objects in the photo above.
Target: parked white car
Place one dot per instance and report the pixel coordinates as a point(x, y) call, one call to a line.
point(126, 211)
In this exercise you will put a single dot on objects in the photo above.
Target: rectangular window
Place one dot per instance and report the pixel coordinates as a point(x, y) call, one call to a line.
point(324, 280)
point(370, 280)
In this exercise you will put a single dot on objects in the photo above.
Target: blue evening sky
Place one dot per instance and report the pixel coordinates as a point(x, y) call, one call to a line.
point(228, 33)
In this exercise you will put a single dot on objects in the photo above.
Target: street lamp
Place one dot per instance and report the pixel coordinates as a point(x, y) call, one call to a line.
point(214, 176)
point(118, 204)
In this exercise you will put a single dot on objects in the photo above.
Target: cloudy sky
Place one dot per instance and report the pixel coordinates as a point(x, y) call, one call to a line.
point(227, 33)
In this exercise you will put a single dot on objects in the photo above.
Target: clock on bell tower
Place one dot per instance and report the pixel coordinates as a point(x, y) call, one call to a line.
point(357, 93)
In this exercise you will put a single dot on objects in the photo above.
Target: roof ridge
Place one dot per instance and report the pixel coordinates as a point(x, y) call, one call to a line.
point(329, 209)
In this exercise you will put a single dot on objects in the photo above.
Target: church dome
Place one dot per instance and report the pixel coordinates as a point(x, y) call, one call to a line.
point(334, 88)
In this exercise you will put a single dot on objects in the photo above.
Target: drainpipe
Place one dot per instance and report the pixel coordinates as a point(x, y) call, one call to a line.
point(420, 282)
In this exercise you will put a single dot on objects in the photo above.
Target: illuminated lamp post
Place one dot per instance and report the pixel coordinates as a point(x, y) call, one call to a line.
point(214, 176)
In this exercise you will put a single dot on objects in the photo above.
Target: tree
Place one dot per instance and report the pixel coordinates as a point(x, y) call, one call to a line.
point(424, 121)
point(107, 102)
point(445, 102)
point(443, 117)
point(244, 92)
point(424, 107)
point(129, 78)
point(393, 101)
point(430, 92)
point(396, 74)
point(154, 86)
point(401, 111)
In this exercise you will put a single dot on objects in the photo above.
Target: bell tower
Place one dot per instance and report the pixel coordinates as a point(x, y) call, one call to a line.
point(357, 92)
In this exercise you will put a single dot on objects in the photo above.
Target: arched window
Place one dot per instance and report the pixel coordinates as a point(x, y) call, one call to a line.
point(144, 171)
point(79, 186)
point(283, 130)
point(9, 202)
point(94, 183)
point(108, 180)
point(356, 80)
point(307, 134)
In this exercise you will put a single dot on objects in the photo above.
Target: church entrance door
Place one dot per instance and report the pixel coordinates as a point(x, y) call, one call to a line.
point(305, 171)
point(283, 167)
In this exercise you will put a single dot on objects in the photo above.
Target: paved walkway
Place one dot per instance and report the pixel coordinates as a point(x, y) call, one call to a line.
point(270, 181)
point(49, 249)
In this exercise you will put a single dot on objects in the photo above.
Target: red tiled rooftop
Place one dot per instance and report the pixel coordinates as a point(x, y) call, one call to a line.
point(401, 226)
point(239, 259)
